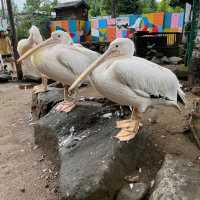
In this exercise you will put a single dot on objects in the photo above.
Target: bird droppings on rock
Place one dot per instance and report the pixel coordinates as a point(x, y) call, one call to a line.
point(35, 147)
point(133, 191)
point(107, 115)
point(152, 183)
point(44, 170)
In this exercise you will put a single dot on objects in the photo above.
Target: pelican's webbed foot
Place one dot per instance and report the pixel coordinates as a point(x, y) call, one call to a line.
point(129, 129)
point(65, 106)
point(39, 89)
point(42, 87)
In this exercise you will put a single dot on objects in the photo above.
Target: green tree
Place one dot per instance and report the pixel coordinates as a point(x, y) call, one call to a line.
point(129, 6)
point(35, 12)
point(95, 7)
point(149, 6)
point(122, 6)
point(164, 6)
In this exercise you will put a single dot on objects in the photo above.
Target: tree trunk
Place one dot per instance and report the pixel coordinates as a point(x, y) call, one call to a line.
point(195, 62)
point(113, 8)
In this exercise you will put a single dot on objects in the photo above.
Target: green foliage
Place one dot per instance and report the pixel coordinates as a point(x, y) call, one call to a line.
point(103, 7)
point(129, 6)
point(149, 6)
point(164, 6)
point(95, 7)
point(36, 12)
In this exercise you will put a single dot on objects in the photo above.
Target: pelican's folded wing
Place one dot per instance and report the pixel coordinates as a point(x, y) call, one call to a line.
point(93, 55)
point(65, 62)
point(147, 79)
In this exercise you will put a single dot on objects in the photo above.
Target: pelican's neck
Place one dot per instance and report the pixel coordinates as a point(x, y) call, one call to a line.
point(107, 63)
point(30, 39)
point(38, 56)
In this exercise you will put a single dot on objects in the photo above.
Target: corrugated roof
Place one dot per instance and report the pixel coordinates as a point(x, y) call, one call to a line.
point(71, 3)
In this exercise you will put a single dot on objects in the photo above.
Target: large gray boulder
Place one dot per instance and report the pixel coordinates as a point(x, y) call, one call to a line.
point(178, 179)
point(92, 164)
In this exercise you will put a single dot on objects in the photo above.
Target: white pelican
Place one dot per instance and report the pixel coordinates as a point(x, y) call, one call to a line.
point(130, 80)
point(62, 60)
point(34, 38)
point(24, 45)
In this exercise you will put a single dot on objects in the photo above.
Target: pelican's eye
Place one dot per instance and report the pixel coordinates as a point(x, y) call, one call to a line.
point(59, 36)
point(117, 46)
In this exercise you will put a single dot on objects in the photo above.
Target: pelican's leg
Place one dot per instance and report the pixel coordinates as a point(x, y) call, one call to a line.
point(42, 87)
point(66, 105)
point(129, 128)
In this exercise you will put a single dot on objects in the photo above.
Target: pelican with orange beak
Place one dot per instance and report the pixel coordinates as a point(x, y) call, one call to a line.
point(62, 60)
point(134, 81)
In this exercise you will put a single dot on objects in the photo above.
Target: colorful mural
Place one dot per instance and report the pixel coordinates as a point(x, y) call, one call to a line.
point(106, 29)
point(79, 30)
point(173, 22)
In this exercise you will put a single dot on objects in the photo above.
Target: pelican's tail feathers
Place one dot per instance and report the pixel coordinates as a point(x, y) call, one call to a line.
point(181, 97)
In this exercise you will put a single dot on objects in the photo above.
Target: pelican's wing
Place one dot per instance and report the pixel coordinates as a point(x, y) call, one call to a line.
point(74, 60)
point(63, 59)
point(147, 79)
point(87, 52)
point(23, 46)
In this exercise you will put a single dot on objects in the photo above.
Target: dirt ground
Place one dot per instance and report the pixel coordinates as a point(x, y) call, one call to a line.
point(25, 173)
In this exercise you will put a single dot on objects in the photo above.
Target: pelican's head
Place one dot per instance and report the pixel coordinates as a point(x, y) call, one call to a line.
point(119, 47)
point(61, 37)
point(35, 34)
point(57, 37)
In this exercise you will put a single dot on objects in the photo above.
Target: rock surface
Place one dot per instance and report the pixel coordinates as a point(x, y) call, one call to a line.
point(42, 103)
point(175, 60)
point(29, 78)
point(164, 60)
point(5, 78)
point(177, 179)
point(156, 60)
point(135, 191)
point(92, 163)
point(196, 90)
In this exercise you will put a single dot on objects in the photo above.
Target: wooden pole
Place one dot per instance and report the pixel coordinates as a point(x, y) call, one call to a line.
point(14, 39)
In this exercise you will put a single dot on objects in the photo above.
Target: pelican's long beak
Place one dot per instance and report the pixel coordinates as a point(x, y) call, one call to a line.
point(37, 47)
point(89, 70)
